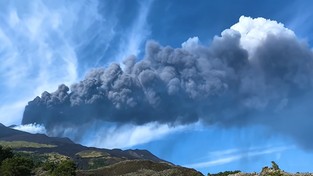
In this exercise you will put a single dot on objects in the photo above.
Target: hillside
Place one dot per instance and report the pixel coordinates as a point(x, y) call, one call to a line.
point(141, 168)
point(89, 160)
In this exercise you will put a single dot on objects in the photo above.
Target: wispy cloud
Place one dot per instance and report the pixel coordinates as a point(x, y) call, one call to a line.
point(32, 44)
point(10, 111)
point(31, 128)
point(136, 36)
point(130, 135)
point(298, 16)
point(231, 155)
point(39, 48)
point(117, 135)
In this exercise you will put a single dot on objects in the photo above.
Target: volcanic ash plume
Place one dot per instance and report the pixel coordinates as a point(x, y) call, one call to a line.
point(256, 72)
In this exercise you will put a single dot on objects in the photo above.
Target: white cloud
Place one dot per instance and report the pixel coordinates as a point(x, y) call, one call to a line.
point(31, 128)
point(192, 42)
point(231, 155)
point(129, 135)
point(137, 34)
point(29, 57)
point(38, 51)
point(8, 112)
point(111, 135)
point(298, 16)
point(255, 30)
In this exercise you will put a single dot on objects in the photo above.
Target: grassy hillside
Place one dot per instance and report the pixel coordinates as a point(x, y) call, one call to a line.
point(47, 153)
point(54, 164)
point(141, 168)
point(25, 144)
point(92, 154)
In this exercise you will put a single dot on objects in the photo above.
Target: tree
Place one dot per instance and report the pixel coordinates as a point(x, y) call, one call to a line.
point(49, 166)
point(5, 153)
point(16, 166)
point(65, 168)
point(275, 166)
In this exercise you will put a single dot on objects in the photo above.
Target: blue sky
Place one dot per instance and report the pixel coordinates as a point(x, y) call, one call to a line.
point(47, 43)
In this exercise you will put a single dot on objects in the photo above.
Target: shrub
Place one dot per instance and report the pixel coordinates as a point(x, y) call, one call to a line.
point(275, 166)
point(16, 166)
point(48, 166)
point(5, 153)
point(65, 168)
point(226, 173)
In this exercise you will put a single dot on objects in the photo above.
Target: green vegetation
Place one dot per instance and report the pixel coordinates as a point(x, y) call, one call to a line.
point(39, 159)
point(266, 171)
point(275, 166)
point(92, 154)
point(140, 168)
point(5, 153)
point(273, 171)
point(24, 144)
point(55, 157)
point(96, 163)
point(226, 173)
point(26, 164)
point(16, 166)
point(64, 168)
point(96, 159)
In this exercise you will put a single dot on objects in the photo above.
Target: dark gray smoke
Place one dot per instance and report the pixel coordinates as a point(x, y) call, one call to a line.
point(225, 83)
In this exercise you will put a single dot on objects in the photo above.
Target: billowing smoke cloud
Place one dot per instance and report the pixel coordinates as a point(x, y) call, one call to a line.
point(256, 72)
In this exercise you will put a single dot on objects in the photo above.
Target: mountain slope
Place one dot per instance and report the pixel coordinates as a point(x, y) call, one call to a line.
point(141, 168)
point(89, 160)
point(67, 147)
point(9, 134)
